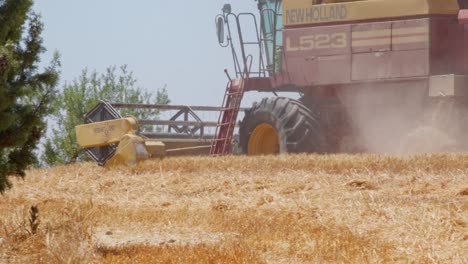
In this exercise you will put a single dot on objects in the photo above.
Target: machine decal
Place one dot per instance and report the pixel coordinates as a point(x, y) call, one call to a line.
point(318, 41)
point(390, 36)
point(372, 37)
point(106, 130)
point(410, 35)
point(318, 13)
point(305, 12)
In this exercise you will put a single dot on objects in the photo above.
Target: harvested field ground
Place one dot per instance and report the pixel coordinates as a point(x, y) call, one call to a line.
point(286, 209)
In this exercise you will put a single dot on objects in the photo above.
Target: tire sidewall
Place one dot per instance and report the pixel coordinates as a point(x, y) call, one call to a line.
point(255, 118)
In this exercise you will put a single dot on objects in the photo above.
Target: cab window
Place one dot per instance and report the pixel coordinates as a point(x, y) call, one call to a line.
point(272, 27)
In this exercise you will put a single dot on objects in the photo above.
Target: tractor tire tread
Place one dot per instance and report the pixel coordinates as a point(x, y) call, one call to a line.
point(297, 126)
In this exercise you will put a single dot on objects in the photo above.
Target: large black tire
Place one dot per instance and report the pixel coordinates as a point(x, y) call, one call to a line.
point(296, 128)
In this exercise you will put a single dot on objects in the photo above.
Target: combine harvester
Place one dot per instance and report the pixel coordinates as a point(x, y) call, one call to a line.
point(368, 74)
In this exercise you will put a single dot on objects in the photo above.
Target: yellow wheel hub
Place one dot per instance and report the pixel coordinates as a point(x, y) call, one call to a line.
point(263, 141)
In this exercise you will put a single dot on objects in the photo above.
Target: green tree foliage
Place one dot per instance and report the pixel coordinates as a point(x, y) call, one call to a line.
point(25, 92)
point(77, 98)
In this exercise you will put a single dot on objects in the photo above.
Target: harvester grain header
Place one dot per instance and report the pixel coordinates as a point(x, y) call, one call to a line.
point(110, 138)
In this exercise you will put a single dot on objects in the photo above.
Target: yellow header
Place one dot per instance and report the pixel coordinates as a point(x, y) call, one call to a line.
point(300, 12)
point(104, 133)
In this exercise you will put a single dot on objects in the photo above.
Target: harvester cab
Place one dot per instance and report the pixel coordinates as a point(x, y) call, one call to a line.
point(267, 40)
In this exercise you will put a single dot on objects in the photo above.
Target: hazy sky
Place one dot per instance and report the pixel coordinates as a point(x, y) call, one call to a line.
point(162, 42)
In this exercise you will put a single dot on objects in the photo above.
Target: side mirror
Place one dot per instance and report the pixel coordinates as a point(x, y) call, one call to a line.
point(227, 9)
point(220, 29)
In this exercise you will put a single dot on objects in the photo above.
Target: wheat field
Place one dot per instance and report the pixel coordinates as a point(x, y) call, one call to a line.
point(282, 209)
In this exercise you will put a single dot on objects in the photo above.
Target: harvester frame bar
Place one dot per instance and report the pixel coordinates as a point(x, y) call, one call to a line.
point(184, 128)
point(169, 107)
point(183, 110)
point(177, 123)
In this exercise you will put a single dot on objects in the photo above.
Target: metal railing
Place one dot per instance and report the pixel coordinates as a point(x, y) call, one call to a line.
point(266, 42)
point(184, 124)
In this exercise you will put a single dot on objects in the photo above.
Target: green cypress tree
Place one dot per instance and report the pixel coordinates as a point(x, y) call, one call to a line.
point(25, 92)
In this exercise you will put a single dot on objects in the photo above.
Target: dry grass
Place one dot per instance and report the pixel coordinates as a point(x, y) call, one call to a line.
point(287, 209)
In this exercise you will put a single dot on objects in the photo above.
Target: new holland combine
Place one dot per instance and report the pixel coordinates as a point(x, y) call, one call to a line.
point(368, 75)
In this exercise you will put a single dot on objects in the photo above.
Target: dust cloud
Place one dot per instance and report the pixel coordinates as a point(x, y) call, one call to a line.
point(400, 120)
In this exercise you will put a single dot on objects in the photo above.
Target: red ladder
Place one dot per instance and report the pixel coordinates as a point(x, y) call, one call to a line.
point(222, 142)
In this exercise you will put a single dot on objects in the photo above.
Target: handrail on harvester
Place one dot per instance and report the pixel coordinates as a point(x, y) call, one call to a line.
point(176, 127)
